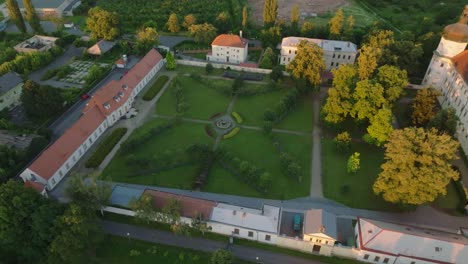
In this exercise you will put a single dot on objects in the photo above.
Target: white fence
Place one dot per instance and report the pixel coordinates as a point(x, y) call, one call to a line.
point(224, 66)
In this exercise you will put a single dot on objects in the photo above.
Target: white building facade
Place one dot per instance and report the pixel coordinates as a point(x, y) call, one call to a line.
point(335, 52)
point(448, 73)
point(228, 48)
point(103, 110)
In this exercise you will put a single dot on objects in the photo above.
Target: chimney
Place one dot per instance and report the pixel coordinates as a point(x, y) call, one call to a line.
point(240, 33)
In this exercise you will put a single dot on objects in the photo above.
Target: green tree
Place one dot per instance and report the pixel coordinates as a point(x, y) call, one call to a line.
point(407, 55)
point(268, 59)
point(339, 102)
point(307, 28)
point(343, 141)
point(41, 101)
point(417, 166)
point(369, 98)
point(222, 256)
point(424, 106)
point(209, 68)
point(308, 63)
point(171, 63)
point(353, 163)
point(270, 12)
point(270, 37)
point(295, 16)
point(445, 121)
point(348, 30)
point(102, 24)
point(336, 24)
point(88, 192)
point(393, 81)
point(245, 17)
point(189, 20)
point(32, 17)
point(173, 23)
point(202, 33)
point(381, 126)
point(276, 73)
point(367, 62)
point(198, 223)
point(15, 15)
point(223, 22)
point(144, 208)
point(147, 38)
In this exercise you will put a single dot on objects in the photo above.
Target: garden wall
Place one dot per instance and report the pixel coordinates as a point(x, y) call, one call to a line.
point(223, 66)
point(345, 252)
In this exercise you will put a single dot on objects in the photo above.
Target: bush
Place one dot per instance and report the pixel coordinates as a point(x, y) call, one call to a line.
point(209, 68)
point(232, 133)
point(343, 141)
point(64, 71)
point(105, 147)
point(49, 74)
point(237, 117)
point(157, 86)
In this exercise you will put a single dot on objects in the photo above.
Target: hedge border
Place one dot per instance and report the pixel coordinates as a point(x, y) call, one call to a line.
point(237, 117)
point(232, 133)
point(105, 147)
point(157, 86)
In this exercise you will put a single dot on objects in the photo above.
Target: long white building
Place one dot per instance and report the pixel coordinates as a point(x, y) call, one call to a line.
point(448, 73)
point(104, 108)
point(335, 52)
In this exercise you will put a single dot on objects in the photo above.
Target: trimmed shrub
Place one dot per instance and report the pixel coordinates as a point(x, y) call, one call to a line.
point(157, 86)
point(232, 133)
point(237, 117)
point(105, 147)
point(209, 68)
point(343, 141)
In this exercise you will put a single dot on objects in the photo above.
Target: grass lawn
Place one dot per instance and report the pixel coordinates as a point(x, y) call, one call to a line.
point(254, 147)
point(301, 119)
point(179, 137)
point(221, 181)
point(251, 108)
point(198, 70)
point(202, 101)
point(449, 202)
point(117, 250)
point(335, 176)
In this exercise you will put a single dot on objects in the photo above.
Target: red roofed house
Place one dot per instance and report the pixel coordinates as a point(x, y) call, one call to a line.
point(384, 242)
point(105, 107)
point(228, 48)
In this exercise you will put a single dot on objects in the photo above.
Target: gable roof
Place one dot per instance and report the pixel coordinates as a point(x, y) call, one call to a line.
point(320, 221)
point(101, 47)
point(460, 61)
point(191, 207)
point(35, 185)
point(115, 93)
point(411, 241)
point(9, 81)
point(51, 159)
point(229, 40)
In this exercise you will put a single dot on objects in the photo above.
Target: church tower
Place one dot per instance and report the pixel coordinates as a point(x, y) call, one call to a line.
point(453, 42)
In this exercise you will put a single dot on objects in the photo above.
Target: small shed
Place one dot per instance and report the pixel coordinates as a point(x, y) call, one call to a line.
point(101, 47)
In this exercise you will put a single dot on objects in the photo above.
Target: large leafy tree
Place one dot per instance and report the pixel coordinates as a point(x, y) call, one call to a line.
point(223, 22)
point(308, 63)
point(173, 23)
point(424, 106)
point(445, 121)
point(41, 101)
point(189, 20)
point(339, 103)
point(144, 208)
point(336, 24)
point(417, 166)
point(88, 192)
point(15, 14)
point(102, 23)
point(271, 36)
point(381, 126)
point(270, 12)
point(369, 98)
point(295, 16)
point(32, 17)
point(393, 81)
point(367, 62)
point(147, 38)
point(202, 33)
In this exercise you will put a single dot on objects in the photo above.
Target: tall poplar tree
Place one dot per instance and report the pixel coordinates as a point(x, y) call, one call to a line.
point(31, 16)
point(245, 17)
point(295, 16)
point(173, 23)
point(15, 15)
point(270, 11)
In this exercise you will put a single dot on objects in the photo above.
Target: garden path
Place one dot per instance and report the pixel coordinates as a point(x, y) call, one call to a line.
point(316, 169)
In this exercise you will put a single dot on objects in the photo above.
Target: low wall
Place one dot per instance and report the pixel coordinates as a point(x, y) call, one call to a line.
point(345, 252)
point(224, 66)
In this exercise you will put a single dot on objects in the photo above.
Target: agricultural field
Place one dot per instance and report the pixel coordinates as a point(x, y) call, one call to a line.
point(186, 116)
point(141, 11)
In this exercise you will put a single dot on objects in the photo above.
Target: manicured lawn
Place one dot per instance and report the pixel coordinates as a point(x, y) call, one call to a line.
point(177, 138)
point(251, 108)
point(202, 102)
point(254, 147)
point(448, 202)
point(359, 193)
point(198, 70)
point(221, 181)
point(117, 250)
point(302, 118)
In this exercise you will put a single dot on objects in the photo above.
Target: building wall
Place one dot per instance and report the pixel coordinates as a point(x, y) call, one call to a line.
point(11, 97)
point(449, 48)
point(318, 239)
point(228, 54)
point(245, 233)
point(333, 59)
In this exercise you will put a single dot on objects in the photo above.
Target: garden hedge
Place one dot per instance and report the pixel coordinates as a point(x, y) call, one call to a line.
point(157, 86)
point(232, 133)
point(105, 147)
point(237, 117)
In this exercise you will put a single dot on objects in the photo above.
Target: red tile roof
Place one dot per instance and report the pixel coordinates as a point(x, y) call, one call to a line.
point(120, 61)
point(461, 64)
point(35, 185)
point(229, 40)
point(55, 156)
point(111, 90)
point(191, 207)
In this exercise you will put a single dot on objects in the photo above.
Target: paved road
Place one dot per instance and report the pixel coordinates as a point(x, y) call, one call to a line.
point(171, 41)
point(162, 237)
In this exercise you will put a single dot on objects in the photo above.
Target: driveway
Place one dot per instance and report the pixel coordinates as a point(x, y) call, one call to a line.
point(171, 41)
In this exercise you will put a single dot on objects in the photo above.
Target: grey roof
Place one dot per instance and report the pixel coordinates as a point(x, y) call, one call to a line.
point(122, 195)
point(101, 47)
point(320, 221)
point(43, 3)
point(9, 81)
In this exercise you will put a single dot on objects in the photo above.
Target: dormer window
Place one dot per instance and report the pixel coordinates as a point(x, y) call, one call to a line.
point(124, 86)
point(120, 94)
point(116, 98)
point(106, 105)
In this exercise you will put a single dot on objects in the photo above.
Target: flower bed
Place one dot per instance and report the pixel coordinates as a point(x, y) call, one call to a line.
point(232, 133)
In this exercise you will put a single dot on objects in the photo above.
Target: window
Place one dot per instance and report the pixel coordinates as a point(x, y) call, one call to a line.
point(53, 181)
point(334, 55)
point(331, 64)
point(349, 57)
point(413, 262)
point(289, 51)
point(442, 64)
point(366, 256)
point(74, 159)
point(326, 242)
point(267, 237)
point(385, 261)
point(236, 231)
point(61, 173)
point(68, 166)
point(376, 259)
point(438, 249)
point(284, 58)
point(250, 234)
point(339, 56)
point(295, 52)
point(337, 64)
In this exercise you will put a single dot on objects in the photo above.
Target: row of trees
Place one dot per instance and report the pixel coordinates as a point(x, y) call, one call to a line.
point(17, 17)
point(26, 63)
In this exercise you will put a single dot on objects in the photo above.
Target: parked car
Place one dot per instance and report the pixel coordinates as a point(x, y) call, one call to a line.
point(297, 222)
point(84, 96)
